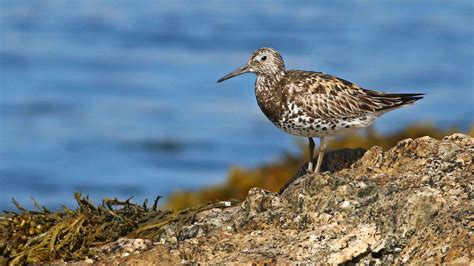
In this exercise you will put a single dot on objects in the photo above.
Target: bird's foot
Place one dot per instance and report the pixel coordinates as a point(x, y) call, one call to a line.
point(310, 167)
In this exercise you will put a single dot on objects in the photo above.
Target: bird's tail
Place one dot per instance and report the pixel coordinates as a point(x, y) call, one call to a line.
point(390, 101)
point(405, 98)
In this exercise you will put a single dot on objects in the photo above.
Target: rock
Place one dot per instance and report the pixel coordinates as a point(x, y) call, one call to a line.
point(361, 240)
point(124, 247)
point(204, 222)
point(411, 204)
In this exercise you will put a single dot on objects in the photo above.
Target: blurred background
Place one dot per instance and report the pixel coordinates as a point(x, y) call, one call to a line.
point(119, 98)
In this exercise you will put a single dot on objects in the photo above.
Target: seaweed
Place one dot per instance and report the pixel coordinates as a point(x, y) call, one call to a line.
point(33, 236)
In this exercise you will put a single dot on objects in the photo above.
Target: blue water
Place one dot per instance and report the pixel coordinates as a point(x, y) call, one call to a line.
point(119, 98)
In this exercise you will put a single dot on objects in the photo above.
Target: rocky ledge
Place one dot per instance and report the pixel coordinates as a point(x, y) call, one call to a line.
point(411, 204)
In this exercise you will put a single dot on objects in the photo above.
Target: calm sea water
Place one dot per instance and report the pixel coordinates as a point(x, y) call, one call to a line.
point(119, 98)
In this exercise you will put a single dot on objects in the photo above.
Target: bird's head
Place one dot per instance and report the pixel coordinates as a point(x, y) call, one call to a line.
point(264, 61)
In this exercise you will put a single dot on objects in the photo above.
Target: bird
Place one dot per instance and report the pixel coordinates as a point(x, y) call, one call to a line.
point(314, 104)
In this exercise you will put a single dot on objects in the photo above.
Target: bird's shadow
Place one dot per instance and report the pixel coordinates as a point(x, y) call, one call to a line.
point(333, 161)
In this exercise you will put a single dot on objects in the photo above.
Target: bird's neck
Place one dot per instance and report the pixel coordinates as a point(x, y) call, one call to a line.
point(268, 82)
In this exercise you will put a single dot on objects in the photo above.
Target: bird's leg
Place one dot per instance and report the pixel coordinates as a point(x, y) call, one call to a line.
point(322, 147)
point(311, 152)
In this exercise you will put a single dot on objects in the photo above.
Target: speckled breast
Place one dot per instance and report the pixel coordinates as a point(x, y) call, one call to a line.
point(296, 121)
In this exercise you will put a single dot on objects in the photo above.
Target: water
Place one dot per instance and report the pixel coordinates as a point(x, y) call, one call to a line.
point(119, 98)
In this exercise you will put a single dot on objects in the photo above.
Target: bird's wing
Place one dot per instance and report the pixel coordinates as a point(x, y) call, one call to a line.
point(324, 96)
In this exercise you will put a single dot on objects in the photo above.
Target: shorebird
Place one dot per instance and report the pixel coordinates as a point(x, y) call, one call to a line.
point(314, 104)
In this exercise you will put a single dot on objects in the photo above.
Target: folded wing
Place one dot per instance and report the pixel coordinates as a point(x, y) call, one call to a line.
point(324, 96)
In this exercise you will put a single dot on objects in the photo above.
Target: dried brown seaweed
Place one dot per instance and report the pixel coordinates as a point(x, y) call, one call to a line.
point(42, 235)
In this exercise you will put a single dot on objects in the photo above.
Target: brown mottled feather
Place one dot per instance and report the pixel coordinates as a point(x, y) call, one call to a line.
point(328, 97)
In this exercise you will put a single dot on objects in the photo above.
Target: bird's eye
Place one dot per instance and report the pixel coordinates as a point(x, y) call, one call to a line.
point(263, 58)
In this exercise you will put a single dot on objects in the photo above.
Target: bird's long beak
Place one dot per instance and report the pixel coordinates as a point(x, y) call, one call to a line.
point(239, 71)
